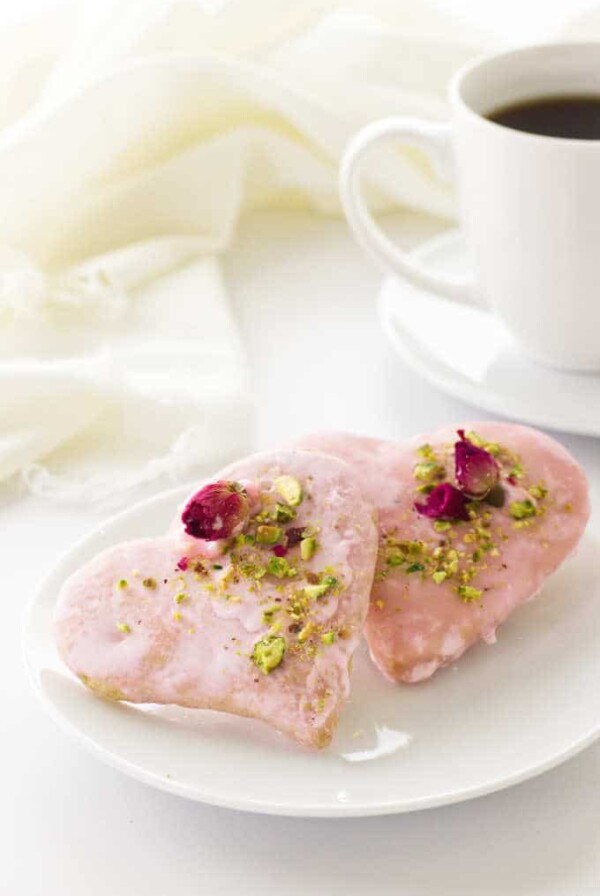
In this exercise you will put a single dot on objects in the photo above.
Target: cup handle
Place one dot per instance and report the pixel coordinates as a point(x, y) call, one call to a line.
point(434, 139)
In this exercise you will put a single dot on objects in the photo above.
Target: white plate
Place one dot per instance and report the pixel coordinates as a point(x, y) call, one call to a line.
point(503, 714)
point(468, 353)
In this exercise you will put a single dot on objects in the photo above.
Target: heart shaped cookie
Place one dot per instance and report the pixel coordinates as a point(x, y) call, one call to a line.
point(253, 604)
point(472, 520)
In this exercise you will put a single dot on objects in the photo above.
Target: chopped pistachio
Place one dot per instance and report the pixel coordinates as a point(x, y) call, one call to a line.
point(122, 583)
point(439, 576)
point(267, 616)
point(149, 583)
point(268, 534)
point(395, 559)
point(308, 546)
point(179, 598)
point(123, 627)
point(522, 510)
point(328, 637)
point(252, 570)
point(268, 653)
point(475, 438)
point(217, 566)
point(414, 548)
point(415, 567)
point(306, 632)
point(427, 471)
point(568, 507)
point(468, 594)
point(298, 606)
point(516, 471)
point(426, 451)
point(538, 491)
point(177, 616)
point(290, 490)
point(315, 591)
point(442, 525)
point(283, 513)
point(280, 568)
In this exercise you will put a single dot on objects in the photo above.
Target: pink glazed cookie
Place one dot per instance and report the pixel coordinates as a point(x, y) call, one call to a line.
point(253, 604)
point(466, 534)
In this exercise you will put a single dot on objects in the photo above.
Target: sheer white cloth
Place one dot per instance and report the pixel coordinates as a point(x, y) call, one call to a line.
point(133, 133)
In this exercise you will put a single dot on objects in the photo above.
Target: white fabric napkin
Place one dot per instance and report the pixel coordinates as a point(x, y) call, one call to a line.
point(133, 134)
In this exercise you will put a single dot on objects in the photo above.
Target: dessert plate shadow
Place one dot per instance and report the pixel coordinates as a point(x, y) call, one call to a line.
point(502, 714)
point(469, 354)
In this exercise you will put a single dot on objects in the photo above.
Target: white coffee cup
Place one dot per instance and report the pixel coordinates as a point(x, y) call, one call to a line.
point(529, 205)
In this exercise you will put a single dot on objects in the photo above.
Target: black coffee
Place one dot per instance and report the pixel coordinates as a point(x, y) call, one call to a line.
point(577, 117)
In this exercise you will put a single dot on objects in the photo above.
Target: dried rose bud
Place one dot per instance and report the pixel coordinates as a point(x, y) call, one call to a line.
point(183, 564)
point(477, 472)
point(219, 510)
point(294, 534)
point(280, 550)
point(445, 502)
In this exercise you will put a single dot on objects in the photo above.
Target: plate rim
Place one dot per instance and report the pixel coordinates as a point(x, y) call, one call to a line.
point(240, 803)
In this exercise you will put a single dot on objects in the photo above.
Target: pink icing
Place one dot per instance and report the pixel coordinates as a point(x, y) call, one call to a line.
point(414, 625)
point(196, 652)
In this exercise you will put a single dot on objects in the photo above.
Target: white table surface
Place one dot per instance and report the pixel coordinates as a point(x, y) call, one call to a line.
point(70, 826)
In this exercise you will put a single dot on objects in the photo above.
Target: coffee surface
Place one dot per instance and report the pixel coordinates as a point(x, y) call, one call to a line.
point(575, 117)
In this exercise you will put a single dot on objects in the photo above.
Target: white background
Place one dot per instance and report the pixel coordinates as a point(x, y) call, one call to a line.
point(69, 826)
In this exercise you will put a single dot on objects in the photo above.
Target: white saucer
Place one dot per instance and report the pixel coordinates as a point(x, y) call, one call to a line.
point(503, 714)
point(469, 353)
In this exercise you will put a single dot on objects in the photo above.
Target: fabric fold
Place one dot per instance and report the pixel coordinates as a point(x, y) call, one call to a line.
point(133, 134)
